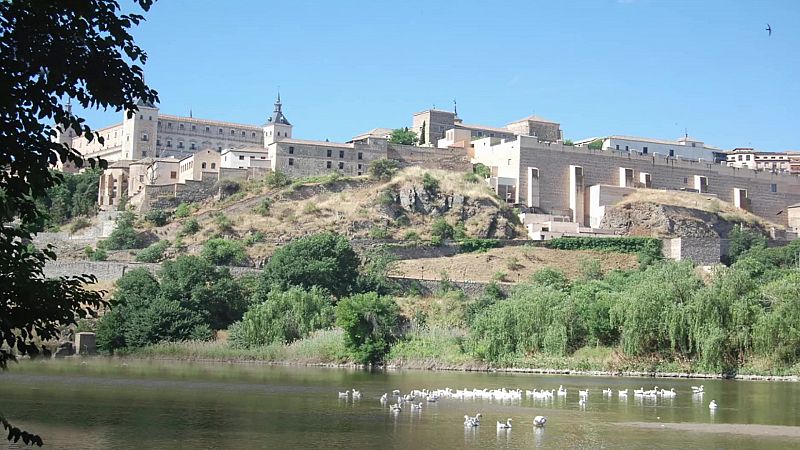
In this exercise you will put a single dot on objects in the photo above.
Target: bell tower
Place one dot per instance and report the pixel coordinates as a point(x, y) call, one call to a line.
point(277, 126)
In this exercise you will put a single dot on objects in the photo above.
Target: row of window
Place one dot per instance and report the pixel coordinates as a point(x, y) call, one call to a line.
point(329, 153)
point(181, 127)
point(645, 151)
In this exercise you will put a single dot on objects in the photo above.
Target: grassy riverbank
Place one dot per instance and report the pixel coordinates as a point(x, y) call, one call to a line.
point(440, 349)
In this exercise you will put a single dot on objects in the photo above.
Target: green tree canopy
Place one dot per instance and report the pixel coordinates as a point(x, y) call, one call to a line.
point(403, 136)
point(368, 321)
point(52, 51)
point(325, 260)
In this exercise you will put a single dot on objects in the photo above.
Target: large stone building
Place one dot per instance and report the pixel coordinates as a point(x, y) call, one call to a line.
point(556, 179)
point(445, 129)
point(684, 147)
point(787, 162)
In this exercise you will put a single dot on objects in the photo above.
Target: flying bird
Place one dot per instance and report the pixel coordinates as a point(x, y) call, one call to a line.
point(769, 29)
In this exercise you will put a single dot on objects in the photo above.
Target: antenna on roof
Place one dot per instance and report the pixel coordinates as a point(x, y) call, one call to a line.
point(190, 113)
point(686, 133)
point(455, 107)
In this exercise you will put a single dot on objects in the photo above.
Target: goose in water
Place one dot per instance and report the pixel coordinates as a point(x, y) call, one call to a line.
point(607, 391)
point(396, 407)
point(416, 406)
point(470, 421)
point(668, 394)
point(582, 401)
point(356, 394)
point(343, 394)
point(396, 392)
point(539, 421)
point(561, 390)
point(712, 405)
point(477, 419)
point(697, 390)
point(623, 393)
point(639, 391)
point(583, 393)
point(504, 426)
point(384, 398)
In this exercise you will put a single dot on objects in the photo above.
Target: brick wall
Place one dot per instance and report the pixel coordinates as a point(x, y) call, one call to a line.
point(430, 157)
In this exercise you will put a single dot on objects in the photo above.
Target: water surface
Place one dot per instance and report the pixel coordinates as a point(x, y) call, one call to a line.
point(116, 404)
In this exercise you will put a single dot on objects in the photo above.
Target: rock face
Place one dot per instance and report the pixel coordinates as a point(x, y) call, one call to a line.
point(651, 219)
point(482, 217)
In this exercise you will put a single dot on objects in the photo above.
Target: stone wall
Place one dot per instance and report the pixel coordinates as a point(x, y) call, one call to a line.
point(601, 167)
point(430, 158)
point(432, 287)
point(703, 251)
point(112, 270)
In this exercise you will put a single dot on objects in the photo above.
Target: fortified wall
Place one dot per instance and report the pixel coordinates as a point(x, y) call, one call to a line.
point(556, 178)
point(453, 159)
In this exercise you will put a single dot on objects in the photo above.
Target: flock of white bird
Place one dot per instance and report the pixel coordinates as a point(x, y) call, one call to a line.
point(416, 398)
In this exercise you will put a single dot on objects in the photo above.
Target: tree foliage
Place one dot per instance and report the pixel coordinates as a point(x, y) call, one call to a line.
point(124, 236)
point(325, 260)
point(283, 316)
point(82, 50)
point(383, 168)
point(403, 136)
point(75, 196)
point(225, 252)
point(368, 321)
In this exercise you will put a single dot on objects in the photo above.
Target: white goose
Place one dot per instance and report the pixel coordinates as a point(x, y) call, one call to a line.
point(477, 419)
point(504, 426)
point(539, 421)
point(396, 407)
point(623, 393)
point(607, 391)
point(469, 421)
point(697, 390)
point(384, 398)
point(561, 390)
point(712, 405)
point(416, 406)
point(583, 393)
point(356, 394)
point(344, 394)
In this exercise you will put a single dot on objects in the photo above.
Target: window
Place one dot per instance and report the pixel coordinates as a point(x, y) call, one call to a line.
point(158, 142)
point(685, 180)
point(341, 165)
point(173, 175)
point(220, 131)
point(169, 143)
point(232, 132)
point(341, 153)
point(671, 153)
point(169, 124)
point(328, 165)
point(243, 134)
point(192, 146)
point(627, 149)
point(213, 165)
point(644, 150)
point(208, 129)
point(291, 150)
point(773, 187)
point(150, 118)
point(739, 157)
point(263, 157)
point(141, 116)
point(180, 144)
point(203, 166)
point(509, 162)
point(329, 153)
point(144, 153)
point(180, 126)
point(359, 167)
point(617, 146)
point(219, 148)
point(141, 178)
point(144, 137)
point(291, 161)
point(360, 156)
point(194, 127)
point(254, 134)
point(241, 157)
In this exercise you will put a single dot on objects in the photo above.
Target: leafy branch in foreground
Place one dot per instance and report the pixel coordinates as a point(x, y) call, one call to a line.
point(15, 434)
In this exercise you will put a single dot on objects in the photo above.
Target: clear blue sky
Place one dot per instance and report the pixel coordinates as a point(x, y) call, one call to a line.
point(635, 67)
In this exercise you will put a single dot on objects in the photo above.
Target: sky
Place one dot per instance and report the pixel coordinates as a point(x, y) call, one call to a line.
point(646, 68)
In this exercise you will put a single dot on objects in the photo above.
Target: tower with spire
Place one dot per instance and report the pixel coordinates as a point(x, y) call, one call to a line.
point(277, 126)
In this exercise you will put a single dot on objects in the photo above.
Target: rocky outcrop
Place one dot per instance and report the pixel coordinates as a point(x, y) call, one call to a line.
point(652, 219)
point(482, 217)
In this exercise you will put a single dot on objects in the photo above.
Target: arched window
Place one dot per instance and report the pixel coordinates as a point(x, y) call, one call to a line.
point(204, 165)
point(213, 165)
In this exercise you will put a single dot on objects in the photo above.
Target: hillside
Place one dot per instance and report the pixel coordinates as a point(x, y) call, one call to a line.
point(649, 212)
point(402, 208)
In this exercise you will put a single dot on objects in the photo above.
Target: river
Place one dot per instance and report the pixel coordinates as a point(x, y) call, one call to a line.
point(128, 404)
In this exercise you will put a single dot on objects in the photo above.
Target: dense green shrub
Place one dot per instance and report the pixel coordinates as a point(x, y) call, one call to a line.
point(477, 245)
point(253, 238)
point(225, 252)
point(740, 240)
point(190, 300)
point(325, 260)
point(95, 254)
point(403, 136)
point(378, 233)
point(157, 217)
point(154, 253)
point(383, 169)
point(263, 207)
point(184, 210)
point(283, 316)
point(124, 236)
point(429, 183)
point(190, 226)
point(368, 321)
point(596, 144)
point(613, 244)
point(223, 223)
point(74, 196)
point(227, 188)
point(441, 229)
point(79, 224)
point(482, 170)
point(277, 179)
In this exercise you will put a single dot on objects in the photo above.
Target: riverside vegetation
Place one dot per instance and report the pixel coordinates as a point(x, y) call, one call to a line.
point(317, 302)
